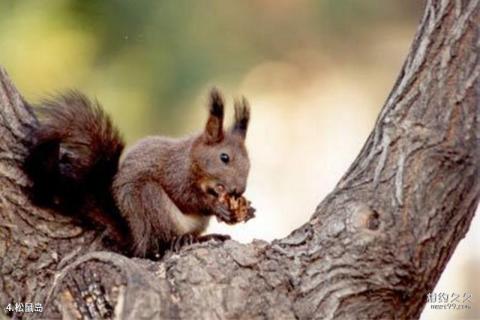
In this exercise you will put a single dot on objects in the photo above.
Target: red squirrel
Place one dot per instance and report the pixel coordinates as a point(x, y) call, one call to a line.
point(164, 191)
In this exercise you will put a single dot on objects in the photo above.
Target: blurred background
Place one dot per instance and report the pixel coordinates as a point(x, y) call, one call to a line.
point(315, 72)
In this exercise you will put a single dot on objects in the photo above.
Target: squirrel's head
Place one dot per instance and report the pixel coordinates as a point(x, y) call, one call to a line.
point(219, 156)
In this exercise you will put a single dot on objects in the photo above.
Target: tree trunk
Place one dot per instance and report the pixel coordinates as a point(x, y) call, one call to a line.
point(373, 249)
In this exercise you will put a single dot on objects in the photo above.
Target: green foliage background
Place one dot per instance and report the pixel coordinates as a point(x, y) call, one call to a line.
point(147, 61)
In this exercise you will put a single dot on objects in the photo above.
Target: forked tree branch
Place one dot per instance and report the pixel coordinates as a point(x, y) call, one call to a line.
point(373, 249)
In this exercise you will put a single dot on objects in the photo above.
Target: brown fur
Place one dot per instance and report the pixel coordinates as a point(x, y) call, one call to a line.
point(163, 189)
point(158, 171)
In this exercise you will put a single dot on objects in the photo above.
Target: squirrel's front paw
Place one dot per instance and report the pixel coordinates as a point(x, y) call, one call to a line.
point(223, 213)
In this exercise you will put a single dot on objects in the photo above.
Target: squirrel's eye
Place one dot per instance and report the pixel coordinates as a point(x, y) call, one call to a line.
point(224, 157)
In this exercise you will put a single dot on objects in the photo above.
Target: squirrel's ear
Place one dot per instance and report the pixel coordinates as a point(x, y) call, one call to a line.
point(214, 128)
point(242, 117)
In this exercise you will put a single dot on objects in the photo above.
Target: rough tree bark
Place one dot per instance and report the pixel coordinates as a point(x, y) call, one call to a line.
point(373, 249)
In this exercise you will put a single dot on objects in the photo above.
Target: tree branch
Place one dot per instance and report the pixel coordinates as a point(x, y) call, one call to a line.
point(373, 249)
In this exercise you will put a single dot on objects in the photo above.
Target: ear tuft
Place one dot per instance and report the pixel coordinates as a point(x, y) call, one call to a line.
point(216, 103)
point(214, 128)
point(242, 117)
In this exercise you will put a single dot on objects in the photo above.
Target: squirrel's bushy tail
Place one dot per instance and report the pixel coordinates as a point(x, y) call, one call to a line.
point(74, 153)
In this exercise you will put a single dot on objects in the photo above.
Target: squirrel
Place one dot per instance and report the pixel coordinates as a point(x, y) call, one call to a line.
point(162, 193)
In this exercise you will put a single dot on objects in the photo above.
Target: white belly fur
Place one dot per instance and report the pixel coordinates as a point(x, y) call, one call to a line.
point(187, 223)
